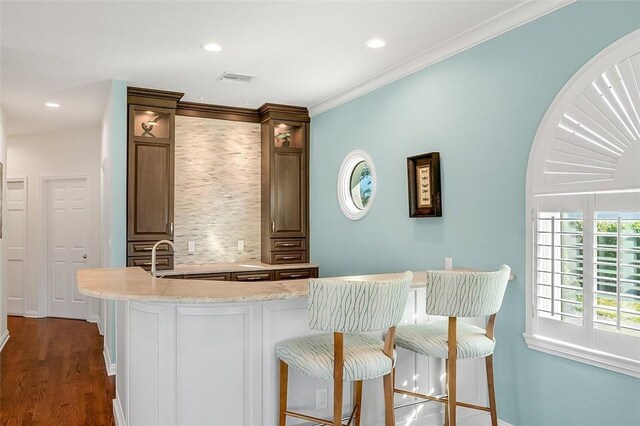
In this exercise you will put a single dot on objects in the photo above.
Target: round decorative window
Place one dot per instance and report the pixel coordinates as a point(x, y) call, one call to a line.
point(356, 184)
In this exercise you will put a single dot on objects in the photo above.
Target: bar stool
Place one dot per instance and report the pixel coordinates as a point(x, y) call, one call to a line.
point(457, 294)
point(347, 309)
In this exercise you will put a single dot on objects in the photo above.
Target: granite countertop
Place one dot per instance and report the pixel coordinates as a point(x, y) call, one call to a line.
point(136, 284)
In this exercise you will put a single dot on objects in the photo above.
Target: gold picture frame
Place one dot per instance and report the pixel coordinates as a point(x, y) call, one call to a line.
point(425, 197)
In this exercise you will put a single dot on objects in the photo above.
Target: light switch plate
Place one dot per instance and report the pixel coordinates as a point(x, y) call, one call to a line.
point(191, 247)
point(240, 245)
point(448, 263)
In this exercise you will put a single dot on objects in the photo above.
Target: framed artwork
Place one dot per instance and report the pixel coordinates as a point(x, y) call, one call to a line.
point(425, 198)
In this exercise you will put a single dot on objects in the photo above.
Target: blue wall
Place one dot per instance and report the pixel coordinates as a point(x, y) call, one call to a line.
point(480, 109)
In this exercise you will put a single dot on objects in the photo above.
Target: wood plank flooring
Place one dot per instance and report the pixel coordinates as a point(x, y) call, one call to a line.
point(52, 372)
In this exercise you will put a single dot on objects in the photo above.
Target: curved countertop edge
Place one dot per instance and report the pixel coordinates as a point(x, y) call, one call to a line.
point(135, 284)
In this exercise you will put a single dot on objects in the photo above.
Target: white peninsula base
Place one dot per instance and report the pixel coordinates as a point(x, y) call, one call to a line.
point(215, 364)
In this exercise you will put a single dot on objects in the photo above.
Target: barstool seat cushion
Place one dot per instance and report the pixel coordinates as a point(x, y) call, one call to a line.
point(313, 356)
point(430, 339)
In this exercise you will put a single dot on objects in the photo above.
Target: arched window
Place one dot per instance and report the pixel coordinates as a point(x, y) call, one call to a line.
point(583, 232)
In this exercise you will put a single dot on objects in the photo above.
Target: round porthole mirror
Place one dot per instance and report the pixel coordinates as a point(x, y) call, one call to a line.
point(356, 184)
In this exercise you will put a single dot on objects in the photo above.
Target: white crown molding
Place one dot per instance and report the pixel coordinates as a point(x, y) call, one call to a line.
point(499, 24)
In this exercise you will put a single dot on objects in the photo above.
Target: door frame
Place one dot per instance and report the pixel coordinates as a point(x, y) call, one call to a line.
point(25, 261)
point(43, 287)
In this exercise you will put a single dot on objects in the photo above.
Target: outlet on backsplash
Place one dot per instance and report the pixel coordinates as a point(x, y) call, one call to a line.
point(240, 245)
point(191, 247)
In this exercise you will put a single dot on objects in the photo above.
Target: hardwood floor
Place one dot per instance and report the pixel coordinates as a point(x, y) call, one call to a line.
point(52, 372)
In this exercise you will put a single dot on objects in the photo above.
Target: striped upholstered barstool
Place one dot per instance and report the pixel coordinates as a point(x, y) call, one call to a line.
point(347, 309)
point(457, 294)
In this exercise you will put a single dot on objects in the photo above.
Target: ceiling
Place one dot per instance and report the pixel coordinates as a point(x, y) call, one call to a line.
point(306, 53)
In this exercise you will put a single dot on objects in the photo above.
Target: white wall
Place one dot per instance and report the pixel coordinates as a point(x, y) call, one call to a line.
point(113, 199)
point(56, 154)
point(4, 333)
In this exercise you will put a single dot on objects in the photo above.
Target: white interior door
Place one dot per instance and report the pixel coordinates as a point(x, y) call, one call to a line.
point(16, 236)
point(67, 246)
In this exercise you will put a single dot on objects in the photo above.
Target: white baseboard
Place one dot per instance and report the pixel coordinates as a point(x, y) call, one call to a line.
point(118, 414)
point(96, 320)
point(110, 366)
point(4, 339)
point(32, 314)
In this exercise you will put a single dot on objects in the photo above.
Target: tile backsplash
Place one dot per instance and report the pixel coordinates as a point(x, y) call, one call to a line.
point(217, 192)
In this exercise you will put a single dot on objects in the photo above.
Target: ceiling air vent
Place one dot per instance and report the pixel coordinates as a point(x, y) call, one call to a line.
point(229, 77)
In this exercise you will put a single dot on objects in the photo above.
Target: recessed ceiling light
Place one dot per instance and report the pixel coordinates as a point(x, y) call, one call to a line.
point(201, 98)
point(375, 43)
point(52, 105)
point(212, 47)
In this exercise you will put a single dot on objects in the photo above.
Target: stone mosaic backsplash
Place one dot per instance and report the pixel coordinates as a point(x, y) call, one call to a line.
point(217, 190)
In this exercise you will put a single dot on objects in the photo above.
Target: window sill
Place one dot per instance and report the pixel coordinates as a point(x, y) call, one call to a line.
point(584, 355)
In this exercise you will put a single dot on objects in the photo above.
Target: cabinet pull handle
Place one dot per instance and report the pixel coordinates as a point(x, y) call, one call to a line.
point(148, 263)
point(171, 228)
point(273, 227)
point(147, 249)
point(253, 278)
point(295, 275)
point(288, 257)
point(288, 244)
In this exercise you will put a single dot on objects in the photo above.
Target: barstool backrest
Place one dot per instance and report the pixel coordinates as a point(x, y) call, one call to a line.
point(357, 306)
point(466, 293)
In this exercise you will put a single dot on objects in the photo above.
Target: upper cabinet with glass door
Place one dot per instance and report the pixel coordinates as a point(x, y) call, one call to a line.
point(285, 177)
point(156, 123)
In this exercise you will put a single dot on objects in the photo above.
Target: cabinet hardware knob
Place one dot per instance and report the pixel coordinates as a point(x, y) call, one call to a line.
point(84, 256)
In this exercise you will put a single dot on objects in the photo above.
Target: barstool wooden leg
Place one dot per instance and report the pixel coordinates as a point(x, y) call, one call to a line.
point(492, 392)
point(338, 365)
point(446, 386)
point(451, 377)
point(284, 382)
point(389, 415)
point(357, 401)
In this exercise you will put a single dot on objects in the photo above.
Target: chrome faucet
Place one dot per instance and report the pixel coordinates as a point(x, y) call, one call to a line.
point(153, 255)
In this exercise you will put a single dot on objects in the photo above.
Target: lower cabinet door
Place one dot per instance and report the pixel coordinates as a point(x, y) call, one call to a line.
point(162, 262)
point(296, 274)
point(252, 276)
point(209, 277)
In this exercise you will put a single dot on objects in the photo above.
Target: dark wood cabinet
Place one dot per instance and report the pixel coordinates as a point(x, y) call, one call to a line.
point(150, 175)
point(285, 184)
point(261, 275)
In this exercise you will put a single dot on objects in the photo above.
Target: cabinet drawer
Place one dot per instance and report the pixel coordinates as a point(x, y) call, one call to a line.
point(289, 257)
point(252, 276)
point(296, 274)
point(164, 262)
point(144, 249)
point(289, 244)
point(209, 277)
